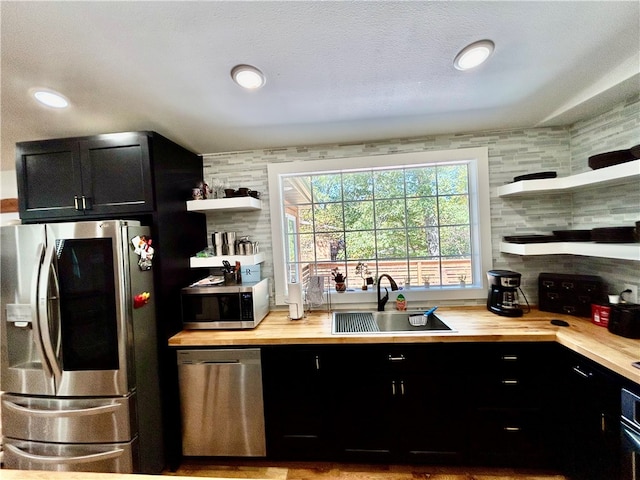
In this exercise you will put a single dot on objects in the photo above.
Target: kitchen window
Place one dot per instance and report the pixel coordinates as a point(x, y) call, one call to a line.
point(422, 218)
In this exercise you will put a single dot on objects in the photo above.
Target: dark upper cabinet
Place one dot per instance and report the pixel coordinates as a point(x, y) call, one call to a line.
point(86, 177)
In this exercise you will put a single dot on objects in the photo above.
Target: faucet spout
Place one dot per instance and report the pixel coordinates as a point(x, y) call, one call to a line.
point(394, 286)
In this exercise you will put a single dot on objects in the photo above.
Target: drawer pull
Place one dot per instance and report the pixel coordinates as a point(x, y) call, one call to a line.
point(510, 382)
point(509, 358)
point(511, 429)
point(399, 358)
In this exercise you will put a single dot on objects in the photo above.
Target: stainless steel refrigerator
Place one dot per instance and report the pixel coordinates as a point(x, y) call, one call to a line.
point(79, 364)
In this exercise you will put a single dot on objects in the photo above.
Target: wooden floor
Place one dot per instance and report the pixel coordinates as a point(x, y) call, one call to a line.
point(339, 471)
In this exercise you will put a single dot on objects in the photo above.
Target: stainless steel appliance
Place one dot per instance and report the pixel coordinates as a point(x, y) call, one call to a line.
point(503, 293)
point(225, 306)
point(630, 435)
point(221, 402)
point(79, 349)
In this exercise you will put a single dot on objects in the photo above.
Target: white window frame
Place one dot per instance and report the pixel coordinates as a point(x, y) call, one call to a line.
point(417, 296)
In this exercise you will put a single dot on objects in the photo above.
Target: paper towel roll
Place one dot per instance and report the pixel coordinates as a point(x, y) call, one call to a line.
point(296, 305)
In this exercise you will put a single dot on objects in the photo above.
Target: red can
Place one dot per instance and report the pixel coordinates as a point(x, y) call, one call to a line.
point(600, 314)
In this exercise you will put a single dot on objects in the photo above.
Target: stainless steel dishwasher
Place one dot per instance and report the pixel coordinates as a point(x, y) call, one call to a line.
point(221, 402)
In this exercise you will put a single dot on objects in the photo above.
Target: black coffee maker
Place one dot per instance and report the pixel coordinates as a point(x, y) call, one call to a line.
point(503, 293)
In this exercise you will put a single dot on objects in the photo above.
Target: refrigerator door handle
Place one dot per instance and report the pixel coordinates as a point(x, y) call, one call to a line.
point(94, 457)
point(44, 321)
point(77, 412)
point(35, 323)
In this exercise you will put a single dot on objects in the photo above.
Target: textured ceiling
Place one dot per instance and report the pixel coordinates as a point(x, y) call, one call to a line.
point(337, 72)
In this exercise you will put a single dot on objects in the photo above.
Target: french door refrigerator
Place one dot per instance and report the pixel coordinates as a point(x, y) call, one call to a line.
point(79, 364)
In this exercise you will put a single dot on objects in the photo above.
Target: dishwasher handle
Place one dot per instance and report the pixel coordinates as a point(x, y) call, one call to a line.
point(249, 356)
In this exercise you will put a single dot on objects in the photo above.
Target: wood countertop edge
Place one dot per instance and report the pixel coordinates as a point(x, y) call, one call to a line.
point(472, 324)
point(6, 474)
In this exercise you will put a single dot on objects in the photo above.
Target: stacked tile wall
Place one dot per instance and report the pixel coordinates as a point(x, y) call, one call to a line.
point(511, 153)
point(611, 206)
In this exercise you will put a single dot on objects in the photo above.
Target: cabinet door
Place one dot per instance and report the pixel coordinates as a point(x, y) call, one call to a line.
point(116, 174)
point(295, 402)
point(363, 402)
point(49, 179)
point(591, 410)
point(430, 417)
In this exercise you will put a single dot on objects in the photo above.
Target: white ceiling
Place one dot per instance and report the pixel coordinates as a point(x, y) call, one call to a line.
point(337, 72)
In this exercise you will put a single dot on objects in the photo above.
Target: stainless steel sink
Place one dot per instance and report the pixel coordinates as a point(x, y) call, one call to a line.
point(384, 322)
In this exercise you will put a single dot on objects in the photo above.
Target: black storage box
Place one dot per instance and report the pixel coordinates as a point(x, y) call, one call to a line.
point(570, 294)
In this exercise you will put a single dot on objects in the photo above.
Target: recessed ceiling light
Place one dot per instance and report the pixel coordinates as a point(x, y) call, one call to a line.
point(247, 76)
point(50, 98)
point(473, 55)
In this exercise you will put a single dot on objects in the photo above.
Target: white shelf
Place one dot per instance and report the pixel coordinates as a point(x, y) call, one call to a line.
point(620, 251)
point(209, 262)
point(235, 203)
point(614, 175)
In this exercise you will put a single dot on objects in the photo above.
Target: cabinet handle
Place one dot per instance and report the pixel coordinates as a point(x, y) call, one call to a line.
point(393, 388)
point(581, 373)
point(402, 387)
point(509, 358)
point(84, 202)
point(317, 362)
point(510, 382)
point(399, 358)
point(603, 423)
point(75, 202)
point(511, 429)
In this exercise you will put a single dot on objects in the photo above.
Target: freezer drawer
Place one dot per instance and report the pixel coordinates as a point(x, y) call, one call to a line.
point(221, 402)
point(113, 458)
point(86, 420)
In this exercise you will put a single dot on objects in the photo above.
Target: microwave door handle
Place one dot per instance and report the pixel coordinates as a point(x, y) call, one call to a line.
point(48, 459)
point(44, 312)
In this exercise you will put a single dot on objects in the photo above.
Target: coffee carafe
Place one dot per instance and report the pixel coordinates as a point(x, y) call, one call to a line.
point(503, 293)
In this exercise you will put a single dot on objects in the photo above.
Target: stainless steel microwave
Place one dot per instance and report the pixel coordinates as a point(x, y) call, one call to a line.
point(225, 306)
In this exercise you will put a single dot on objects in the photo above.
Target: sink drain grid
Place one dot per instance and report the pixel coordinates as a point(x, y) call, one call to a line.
point(355, 323)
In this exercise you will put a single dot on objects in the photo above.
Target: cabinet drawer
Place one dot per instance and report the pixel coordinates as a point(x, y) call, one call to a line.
point(508, 435)
point(504, 390)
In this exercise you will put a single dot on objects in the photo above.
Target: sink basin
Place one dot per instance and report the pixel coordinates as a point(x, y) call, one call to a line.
point(384, 322)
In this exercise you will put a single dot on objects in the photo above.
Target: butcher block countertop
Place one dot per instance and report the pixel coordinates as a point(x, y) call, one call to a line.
point(471, 324)
point(40, 475)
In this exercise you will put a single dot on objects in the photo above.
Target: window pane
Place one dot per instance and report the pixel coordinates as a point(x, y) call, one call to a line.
point(328, 217)
point(454, 210)
point(326, 188)
point(389, 184)
point(358, 186)
point(296, 190)
point(421, 182)
point(422, 212)
point(361, 244)
point(358, 215)
point(305, 218)
point(392, 243)
point(307, 248)
point(452, 179)
point(390, 214)
point(455, 241)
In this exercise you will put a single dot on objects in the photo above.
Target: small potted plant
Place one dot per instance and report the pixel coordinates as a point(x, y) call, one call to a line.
point(365, 274)
point(339, 278)
point(463, 279)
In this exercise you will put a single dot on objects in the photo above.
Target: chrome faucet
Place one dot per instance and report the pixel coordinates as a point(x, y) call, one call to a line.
point(382, 301)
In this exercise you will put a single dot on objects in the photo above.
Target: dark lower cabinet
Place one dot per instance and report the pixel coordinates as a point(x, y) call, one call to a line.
point(590, 415)
point(519, 404)
point(362, 402)
point(513, 397)
point(296, 396)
